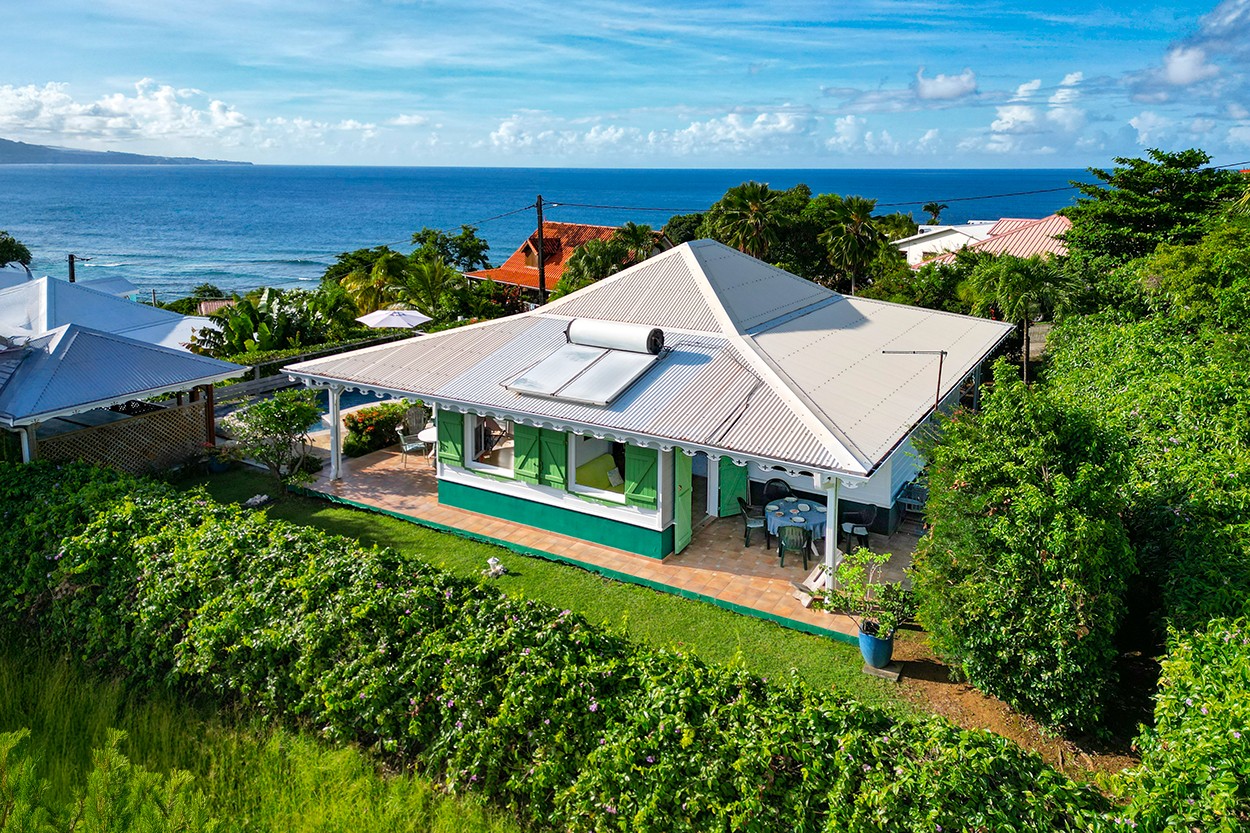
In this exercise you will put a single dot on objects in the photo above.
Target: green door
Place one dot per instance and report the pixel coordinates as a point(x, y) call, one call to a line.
point(681, 502)
point(733, 485)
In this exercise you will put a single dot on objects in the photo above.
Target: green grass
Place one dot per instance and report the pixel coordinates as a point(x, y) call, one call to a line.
point(658, 619)
point(255, 777)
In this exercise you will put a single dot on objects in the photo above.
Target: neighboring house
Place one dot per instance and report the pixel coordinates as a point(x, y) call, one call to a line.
point(931, 240)
point(1019, 237)
point(566, 419)
point(559, 241)
point(75, 363)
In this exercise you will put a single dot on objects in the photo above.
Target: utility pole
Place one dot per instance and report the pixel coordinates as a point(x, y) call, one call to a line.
point(542, 266)
point(154, 299)
point(73, 258)
point(941, 354)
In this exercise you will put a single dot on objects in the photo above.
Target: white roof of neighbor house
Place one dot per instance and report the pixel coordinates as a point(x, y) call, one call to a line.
point(74, 368)
point(33, 308)
point(758, 363)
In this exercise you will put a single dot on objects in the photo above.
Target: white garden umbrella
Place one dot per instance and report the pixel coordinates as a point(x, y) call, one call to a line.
point(394, 319)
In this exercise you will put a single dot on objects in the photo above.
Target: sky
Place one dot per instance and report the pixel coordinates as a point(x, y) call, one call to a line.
point(649, 83)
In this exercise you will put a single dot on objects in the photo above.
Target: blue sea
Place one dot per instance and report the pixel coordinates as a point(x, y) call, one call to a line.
point(172, 228)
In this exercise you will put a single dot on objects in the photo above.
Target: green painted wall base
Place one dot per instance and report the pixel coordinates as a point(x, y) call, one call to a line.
point(603, 571)
point(598, 530)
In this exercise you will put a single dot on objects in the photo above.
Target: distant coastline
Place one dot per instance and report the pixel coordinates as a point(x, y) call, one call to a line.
point(21, 153)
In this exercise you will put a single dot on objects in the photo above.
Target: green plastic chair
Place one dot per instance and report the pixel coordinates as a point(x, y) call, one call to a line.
point(794, 539)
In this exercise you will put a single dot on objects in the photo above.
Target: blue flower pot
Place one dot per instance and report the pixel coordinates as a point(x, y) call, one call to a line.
point(877, 652)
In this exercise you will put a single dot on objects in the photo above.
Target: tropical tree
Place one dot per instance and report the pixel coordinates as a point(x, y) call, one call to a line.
point(745, 218)
point(934, 210)
point(275, 430)
point(640, 241)
point(361, 260)
point(12, 251)
point(464, 251)
point(377, 287)
point(1168, 198)
point(428, 285)
point(853, 240)
point(1020, 289)
point(592, 261)
point(682, 228)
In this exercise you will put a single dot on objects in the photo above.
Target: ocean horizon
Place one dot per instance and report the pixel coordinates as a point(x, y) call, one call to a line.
point(171, 228)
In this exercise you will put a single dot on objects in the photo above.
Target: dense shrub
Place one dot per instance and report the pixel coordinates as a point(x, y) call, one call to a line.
point(373, 427)
point(1022, 581)
point(1195, 770)
point(559, 721)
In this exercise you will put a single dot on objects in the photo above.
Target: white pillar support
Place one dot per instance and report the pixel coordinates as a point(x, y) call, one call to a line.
point(336, 433)
point(27, 435)
point(833, 556)
point(713, 487)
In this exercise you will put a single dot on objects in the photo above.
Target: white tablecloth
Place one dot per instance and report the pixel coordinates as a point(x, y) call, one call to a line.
point(787, 513)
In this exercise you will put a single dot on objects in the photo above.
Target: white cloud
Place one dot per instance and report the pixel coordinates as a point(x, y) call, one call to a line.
point(945, 87)
point(1150, 126)
point(1025, 91)
point(1183, 66)
point(1015, 118)
point(409, 120)
point(1239, 136)
point(848, 133)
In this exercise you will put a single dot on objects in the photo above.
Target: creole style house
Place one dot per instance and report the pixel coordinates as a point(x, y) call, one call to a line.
point(592, 416)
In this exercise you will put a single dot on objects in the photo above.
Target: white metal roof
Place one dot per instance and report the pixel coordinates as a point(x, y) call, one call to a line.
point(33, 308)
point(73, 369)
point(759, 363)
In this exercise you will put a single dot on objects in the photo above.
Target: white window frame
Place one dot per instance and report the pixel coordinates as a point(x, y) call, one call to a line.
point(589, 491)
point(471, 423)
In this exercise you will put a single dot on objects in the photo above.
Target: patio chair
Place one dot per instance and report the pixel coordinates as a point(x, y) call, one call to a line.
point(857, 524)
point(794, 539)
point(416, 419)
point(753, 518)
point(776, 489)
point(409, 443)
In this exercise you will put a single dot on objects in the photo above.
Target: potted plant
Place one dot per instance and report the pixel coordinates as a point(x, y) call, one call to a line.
point(877, 607)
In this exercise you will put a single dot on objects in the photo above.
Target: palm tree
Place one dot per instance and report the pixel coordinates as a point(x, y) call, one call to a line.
point(592, 261)
point(934, 210)
point(640, 241)
point(1021, 289)
point(746, 218)
point(853, 240)
point(426, 284)
point(375, 288)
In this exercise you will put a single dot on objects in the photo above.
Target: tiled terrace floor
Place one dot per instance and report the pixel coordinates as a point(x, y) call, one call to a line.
point(715, 567)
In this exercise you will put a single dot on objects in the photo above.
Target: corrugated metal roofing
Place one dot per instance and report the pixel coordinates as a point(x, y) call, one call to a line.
point(76, 368)
point(777, 368)
point(1038, 237)
point(36, 307)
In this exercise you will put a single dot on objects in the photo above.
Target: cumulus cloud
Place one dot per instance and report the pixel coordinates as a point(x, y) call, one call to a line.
point(1150, 127)
point(409, 120)
point(945, 87)
point(1025, 91)
point(1183, 66)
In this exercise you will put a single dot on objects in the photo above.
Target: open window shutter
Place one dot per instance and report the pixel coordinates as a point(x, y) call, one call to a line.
point(554, 454)
point(526, 441)
point(642, 476)
point(451, 438)
point(733, 485)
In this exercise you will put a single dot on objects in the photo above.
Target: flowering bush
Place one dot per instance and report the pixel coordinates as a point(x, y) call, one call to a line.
point(565, 724)
point(373, 427)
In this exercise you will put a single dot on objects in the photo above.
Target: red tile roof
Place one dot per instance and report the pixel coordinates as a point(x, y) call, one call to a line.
point(1033, 237)
point(559, 241)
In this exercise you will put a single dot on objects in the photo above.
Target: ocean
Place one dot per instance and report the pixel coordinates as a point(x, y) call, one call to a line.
point(172, 228)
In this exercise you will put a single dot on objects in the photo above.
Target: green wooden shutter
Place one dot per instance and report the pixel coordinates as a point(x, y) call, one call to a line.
point(554, 454)
point(451, 437)
point(526, 450)
point(733, 485)
point(642, 476)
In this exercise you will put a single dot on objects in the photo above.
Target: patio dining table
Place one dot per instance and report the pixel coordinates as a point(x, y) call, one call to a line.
point(793, 511)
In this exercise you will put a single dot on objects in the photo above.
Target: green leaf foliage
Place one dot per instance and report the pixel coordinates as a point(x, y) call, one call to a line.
point(373, 427)
point(274, 431)
point(568, 726)
point(1022, 582)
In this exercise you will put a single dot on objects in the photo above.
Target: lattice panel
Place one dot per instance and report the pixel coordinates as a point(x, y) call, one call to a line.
point(142, 444)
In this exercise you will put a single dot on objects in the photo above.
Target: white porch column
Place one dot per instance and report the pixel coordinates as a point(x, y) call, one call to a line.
point(336, 433)
point(29, 447)
point(833, 555)
point(713, 487)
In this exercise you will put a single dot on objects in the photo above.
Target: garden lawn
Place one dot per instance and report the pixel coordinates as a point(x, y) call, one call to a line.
point(254, 777)
point(657, 619)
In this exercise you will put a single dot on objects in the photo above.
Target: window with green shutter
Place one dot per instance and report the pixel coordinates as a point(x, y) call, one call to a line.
point(553, 467)
point(642, 476)
point(451, 438)
point(527, 442)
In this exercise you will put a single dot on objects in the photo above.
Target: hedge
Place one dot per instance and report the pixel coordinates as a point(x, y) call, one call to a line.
point(567, 725)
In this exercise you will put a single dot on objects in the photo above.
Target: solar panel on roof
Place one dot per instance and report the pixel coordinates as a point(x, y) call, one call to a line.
point(556, 371)
point(601, 360)
point(607, 378)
